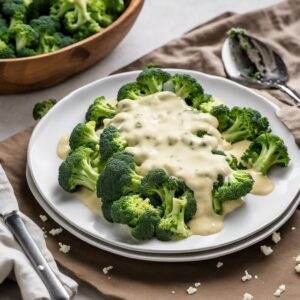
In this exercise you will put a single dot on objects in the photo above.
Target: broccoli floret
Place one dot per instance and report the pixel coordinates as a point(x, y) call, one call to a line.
point(4, 32)
point(111, 142)
point(97, 10)
point(233, 162)
point(158, 183)
point(84, 134)
point(41, 108)
point(137, 213)
point(172, 226)
point(25, 36)
point(106, 211)
point(100, 110)
point(77, 171)
point(133, 91)
point(60, 7)
point(232, 187)
point(247, 124)
point(15, 9)
point(38, 8)
point(6, 51)
point(118, 178)
point(153, 79)
point(186, 87)
point(115, 7)
point(25, 52)
point(267, 150)
point(89, 28)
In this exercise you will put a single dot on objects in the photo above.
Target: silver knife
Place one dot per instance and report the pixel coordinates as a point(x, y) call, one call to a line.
point(9, 213)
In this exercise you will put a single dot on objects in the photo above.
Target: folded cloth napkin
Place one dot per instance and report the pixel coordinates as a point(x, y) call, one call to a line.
point(14, 263)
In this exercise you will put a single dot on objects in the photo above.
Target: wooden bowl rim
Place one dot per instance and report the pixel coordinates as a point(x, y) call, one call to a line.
point(133, 6)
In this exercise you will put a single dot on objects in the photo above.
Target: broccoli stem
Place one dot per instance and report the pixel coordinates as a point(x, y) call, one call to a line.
point(265, 159)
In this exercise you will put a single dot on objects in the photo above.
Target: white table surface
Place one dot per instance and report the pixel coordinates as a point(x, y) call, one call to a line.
point(159, 22)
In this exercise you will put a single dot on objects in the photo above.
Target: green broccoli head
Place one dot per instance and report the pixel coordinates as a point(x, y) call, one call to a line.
point(186, 87)
point(98, 12)
point(14, 9)
point(89, 28)
point(76, 171)
point(133, 91)
point(41, 108)
point(46, 24)
point(247, 124)
point(233, 162)
point(36, 8)
point(111, 142)
point(172, 226)
point(24, 35)
point(222, 114)
point(266, 151)
point(232, 187)
point(137, 213)
point(6, 51)
point(118, 178)
point(4, 32)
point(60, 7)
point(153, 79)
point(84, 134)
point(114, 7)
point(100, 110)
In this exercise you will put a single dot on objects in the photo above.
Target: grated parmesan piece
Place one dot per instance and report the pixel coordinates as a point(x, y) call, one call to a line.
point(219, 264)
point(247, 276)
point(107, 269)
point(276, 237)
point(191, 290)
point(297, 259)
point(197, 284)
point(64, 248)
point(247, 296)
point(279, 291)
point(266, 250)
point(44, 218)
point(297, 268)
point(55, 231)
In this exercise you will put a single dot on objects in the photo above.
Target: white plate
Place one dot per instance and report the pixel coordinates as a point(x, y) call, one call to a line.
point(167, 257)
point(258, 212)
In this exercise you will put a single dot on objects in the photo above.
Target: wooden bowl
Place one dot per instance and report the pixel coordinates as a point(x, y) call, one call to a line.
point(40, 71)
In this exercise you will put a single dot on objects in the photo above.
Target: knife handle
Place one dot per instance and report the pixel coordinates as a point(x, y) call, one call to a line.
point(19, 230)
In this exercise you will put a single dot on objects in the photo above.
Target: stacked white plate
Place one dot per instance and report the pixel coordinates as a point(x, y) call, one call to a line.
point(251, 223)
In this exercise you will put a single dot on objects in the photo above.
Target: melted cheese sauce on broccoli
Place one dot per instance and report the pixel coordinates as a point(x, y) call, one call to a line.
point(161, 131)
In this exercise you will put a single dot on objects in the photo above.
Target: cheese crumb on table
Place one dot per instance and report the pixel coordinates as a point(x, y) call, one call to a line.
point(247, 276)
point(64, 248)
point(293, 228)
point(43, 218)
point(297, 268)
point(173, 292)
point(298, 259)
point(276, 237)
point(107, 269)
point(197, 284)
point(219, 264)
point(255, 276)
point(247, 296)
point(191, 290)
point(279, 291)
point(266, 250)
point(55, 231)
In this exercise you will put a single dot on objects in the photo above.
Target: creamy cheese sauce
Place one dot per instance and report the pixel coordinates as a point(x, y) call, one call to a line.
point(161, 131)
point(63, 148)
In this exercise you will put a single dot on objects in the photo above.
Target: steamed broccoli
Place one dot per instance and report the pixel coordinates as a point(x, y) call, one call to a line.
point(232, 187)
point(267, 150)
point(6, 51)
point(77, 171)
point(233, 162)
point(52, 42)
point(89, 28)
point(4, 32)
point(111, 142)
point(84, 134)
point(172, 226)
point(153, 79)
point(15, 9)
point(114, 7)
point(137, 213)
point(118, 178)
point(247, 124)
point(157, 182)
point(220, 112)
point(97, 10)
point(41, 108)
point(36, 8)
point(132, 90)
point(60, 7)
point(186, 87)
point(106, 211)
point(100, 110)
point(24, 35)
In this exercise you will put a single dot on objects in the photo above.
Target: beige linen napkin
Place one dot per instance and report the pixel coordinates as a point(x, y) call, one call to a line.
point(129, 279)
point(14, 263)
